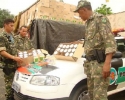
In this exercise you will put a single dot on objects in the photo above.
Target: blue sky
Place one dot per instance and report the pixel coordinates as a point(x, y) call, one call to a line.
point(15, 6)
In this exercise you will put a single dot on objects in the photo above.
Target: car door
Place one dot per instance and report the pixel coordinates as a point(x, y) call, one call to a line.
point(117, 76)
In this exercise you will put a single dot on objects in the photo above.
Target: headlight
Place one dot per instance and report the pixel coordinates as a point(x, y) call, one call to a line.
point(45, 80)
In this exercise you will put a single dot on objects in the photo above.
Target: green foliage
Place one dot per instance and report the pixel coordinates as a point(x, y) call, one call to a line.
point(104, 10)
point(3, 15)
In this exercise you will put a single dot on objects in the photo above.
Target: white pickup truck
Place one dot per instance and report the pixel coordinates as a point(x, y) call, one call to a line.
point(65, 80)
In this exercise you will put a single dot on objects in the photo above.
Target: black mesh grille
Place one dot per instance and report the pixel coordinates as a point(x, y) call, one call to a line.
point(19, 96)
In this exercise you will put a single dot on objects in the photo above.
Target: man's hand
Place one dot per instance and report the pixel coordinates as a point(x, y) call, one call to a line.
point(7, 55)
point(42, 63)
point(17, 59)
point(107, 65)
point(106, 70)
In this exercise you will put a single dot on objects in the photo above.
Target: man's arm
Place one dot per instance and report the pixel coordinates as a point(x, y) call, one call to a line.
point(110, 44)
point(107, 64)
point(7, 55)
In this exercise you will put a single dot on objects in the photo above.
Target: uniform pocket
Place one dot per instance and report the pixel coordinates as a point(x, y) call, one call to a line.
point(97, 69)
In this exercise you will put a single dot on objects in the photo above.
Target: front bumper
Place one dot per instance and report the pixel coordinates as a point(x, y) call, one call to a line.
point(19, 96)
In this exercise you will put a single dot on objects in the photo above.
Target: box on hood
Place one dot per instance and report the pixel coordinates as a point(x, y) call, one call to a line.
point(69, 51)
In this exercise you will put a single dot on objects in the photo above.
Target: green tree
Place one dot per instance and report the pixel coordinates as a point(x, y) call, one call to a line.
point(3, 15)
point(104, 10)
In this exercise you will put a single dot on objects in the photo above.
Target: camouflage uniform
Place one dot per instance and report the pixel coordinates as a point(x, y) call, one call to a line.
point(98, 36)
point(23, 43)
point(7, 43)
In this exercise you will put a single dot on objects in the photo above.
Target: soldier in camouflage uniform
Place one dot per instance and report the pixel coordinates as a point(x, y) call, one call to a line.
point(9, 59)
point(22, 41)
point(98, 36)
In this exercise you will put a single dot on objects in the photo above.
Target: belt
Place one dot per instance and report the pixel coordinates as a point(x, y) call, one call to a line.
point(91, 57)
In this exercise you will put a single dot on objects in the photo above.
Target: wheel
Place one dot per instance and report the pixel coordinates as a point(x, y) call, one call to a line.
point(79, 93)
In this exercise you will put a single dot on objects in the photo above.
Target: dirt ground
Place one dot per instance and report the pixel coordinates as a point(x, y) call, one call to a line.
point(118, 96)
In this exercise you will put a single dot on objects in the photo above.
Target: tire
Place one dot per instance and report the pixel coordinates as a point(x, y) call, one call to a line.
point(79, 93)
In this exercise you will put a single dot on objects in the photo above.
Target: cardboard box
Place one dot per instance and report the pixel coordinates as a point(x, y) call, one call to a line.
point(69, 51)
point(67, 7)
point(44, 3)
point(72, 8)
point(38, 4)
point(52, 3)
point(26, 60)
point(58, 11)
point(46, 10)
point(30, 58)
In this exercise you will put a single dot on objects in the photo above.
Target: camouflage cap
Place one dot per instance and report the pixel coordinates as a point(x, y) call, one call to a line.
point(81, 4)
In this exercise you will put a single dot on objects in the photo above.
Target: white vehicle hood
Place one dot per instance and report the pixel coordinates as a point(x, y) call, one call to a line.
point(60, 68)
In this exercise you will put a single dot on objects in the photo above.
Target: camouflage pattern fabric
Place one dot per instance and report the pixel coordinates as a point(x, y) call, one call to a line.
point(8, 84)
point(23, 43)
point(82, 3)
point(98, 36)
point(1, 63)
point(97, 86)
point(7, 43)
